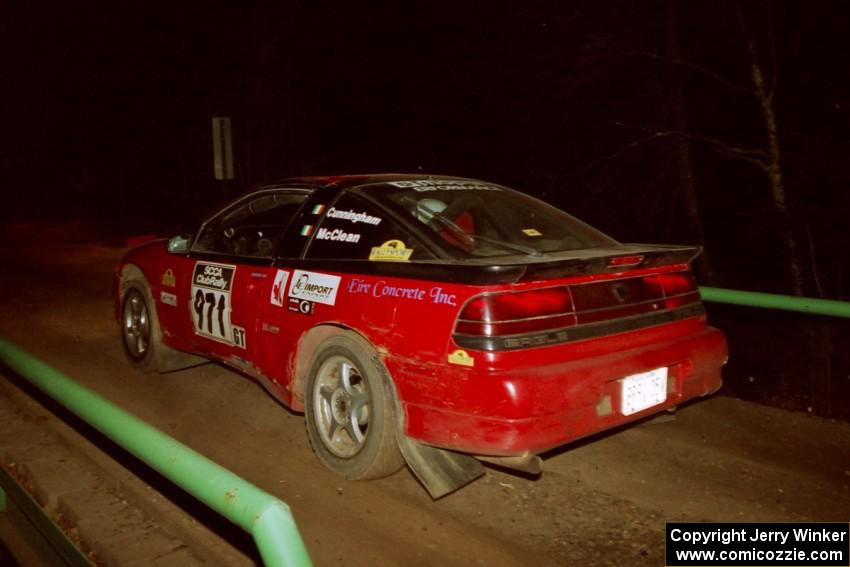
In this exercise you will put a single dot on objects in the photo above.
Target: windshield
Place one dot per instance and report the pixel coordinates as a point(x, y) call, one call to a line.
point(477, 219)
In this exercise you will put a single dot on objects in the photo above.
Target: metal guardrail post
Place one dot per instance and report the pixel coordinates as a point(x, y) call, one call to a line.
point(29, 516)
point(776, 301)
point(266, 518)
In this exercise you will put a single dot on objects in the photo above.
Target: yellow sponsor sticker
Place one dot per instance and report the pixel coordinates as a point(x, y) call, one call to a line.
point(168, 279)
point(462, 358)
point(532, 232)
point(391, 251)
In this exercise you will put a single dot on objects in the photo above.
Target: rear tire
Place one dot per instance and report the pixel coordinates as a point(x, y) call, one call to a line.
point(350, 409)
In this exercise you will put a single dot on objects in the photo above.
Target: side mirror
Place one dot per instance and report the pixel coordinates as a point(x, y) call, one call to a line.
point(178, 244)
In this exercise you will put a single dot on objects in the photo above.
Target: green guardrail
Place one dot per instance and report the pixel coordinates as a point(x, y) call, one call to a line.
point(776, 301)
point(266, 518)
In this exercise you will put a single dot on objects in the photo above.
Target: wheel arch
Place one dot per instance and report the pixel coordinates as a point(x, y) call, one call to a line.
point(121, 274)
point(132, 277)
point(307, 345)
point(128, 273)
point(167, 358)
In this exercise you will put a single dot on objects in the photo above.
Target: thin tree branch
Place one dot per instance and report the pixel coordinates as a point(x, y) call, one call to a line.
point(754, 156)
point(717, 144)
point(757, 157)
point(623, 149)
point(757, 161)
point(700, 69)
point(723, 147)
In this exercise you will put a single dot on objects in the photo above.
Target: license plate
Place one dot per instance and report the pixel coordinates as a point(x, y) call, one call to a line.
point(644, 390)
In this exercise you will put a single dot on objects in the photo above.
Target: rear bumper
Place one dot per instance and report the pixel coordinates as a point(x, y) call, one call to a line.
point(546, 406)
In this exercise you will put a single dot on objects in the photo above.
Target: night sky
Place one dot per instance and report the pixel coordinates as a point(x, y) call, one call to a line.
point(585, 104)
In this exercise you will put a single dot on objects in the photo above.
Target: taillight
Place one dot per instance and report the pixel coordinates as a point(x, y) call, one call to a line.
point(509, 313)
point(579, 311)
point(679, 288)
point(677, 282)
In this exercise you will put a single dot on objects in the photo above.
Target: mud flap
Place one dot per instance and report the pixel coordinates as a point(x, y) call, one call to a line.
point(440, 472)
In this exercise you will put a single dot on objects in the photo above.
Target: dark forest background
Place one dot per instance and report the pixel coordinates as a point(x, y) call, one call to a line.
point(717, 123)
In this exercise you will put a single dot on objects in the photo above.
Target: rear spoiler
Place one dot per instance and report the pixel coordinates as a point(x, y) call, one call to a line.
point(609, 260)
point(612, 260)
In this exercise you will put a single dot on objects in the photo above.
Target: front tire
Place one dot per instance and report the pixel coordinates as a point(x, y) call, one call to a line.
point(350, 409)
point(141, 335)
point(139, 327)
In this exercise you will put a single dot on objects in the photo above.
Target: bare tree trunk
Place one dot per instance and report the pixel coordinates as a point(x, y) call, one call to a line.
point(681, 145)
point(773, 165)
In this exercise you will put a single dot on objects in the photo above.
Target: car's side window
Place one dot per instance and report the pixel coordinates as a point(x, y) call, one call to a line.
point(355, 229)
point(251, 227)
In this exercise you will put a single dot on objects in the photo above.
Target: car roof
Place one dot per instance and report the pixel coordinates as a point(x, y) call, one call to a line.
point(347, 181)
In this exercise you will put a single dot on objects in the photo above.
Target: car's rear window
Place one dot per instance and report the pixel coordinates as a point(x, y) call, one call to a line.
point(478, 219)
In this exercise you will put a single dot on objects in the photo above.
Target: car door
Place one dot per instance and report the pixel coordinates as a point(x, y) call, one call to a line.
point(328, 249)
point(231, 272)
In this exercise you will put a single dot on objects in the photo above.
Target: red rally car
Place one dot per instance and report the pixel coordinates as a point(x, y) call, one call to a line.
point(436, 321)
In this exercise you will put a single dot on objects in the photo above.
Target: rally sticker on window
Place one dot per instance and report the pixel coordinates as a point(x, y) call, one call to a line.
point(353, 216)
point(307, 230)
point(211, 303)
point(318, 209)
point(337, 235)
point(279, 287)
point(444, 185)
point(313, 286)
point(532, 232)
point(391, 251)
